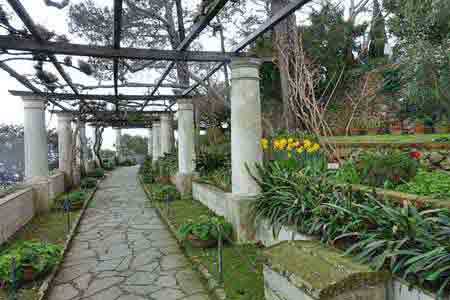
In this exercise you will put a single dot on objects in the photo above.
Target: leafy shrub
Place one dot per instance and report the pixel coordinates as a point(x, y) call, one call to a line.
point(128, 163)
point(76, 199)
point(220, 178)
point(146, 170)
point(38, 255)
point(412, 242)
point(167, 165)
point(159, 192)
point(347, 173)
point(88, 183)
point(387, 168)
point(207, 162)
point(205, 228)
point(97, 173)
point(435, 184)
point(108, 166)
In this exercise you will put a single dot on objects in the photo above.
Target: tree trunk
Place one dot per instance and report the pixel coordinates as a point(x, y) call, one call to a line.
point(285, 33)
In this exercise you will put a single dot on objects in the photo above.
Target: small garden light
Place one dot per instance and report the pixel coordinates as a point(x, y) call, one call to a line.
point(66, 207)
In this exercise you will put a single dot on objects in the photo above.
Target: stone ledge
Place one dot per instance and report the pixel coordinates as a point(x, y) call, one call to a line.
point(319, 271)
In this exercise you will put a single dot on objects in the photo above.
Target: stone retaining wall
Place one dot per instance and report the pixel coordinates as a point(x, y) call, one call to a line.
point(16, 210)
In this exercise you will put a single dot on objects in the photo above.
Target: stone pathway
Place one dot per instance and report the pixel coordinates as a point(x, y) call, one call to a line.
point(123, 251)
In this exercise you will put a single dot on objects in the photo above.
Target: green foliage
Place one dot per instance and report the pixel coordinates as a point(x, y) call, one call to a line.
point(205, 228)
point(134, 144)
point(347, 173)
point(386, 168)
point(435, 184)
point(147, 171)
point(208, 161)
point(168, 164)
point(41, 257)
point(88, 183)
point(76, 199)
point(97, 173)
point(159, 192)
point(220, 178)
point(128, 163)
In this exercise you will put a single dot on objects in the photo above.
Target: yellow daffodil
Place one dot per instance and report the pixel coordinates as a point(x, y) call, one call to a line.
point(307, 143)
point(289, 155)
point(290, 140)
point(283, 143)
point(313, 148)
point(264, 144)
point(300, 150)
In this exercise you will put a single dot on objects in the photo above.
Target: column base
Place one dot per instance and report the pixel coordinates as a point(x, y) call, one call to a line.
point(183, 182)
point(239, 215)
point(41, 195)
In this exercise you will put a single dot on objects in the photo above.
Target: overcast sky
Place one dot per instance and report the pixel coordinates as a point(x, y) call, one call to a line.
point(11, 109)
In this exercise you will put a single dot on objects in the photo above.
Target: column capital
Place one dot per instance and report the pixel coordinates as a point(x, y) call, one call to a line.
point(185, 104)
point(245, 68)
point(64, 116)
point(34, 102)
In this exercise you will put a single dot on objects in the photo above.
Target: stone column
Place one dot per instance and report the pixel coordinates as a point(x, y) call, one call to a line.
point(84, 151)
point(186, 137)
point(65, 147)
point(156, 140)
point(150, 143)
point(118, 144)
point(35, 138)
point(166, 134)
point(36, 152)
point(186, 146)
point(246, 133)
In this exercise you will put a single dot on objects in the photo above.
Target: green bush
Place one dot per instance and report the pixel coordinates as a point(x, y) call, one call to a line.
point(167, 165)
point(88, 183)
point(76, 199)
point(147, 171)
point(435, 184)
point(128, 163)
point(207, 162)
point(109, 165)
point(205, 228)
point(39, 256)
point(97, 173)
point(220, 178)
point(159, 192)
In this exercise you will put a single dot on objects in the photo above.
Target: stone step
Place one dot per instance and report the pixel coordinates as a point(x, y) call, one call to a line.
point(306, 270)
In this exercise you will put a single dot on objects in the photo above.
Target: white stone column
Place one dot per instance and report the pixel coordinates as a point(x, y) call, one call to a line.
point(150, 143)
point(166, 134)
point(118, 144)
point(246, 131)
point(35, 139)
point(156, 140)
point(84, 151)
point(186, 137)
point(65, 146)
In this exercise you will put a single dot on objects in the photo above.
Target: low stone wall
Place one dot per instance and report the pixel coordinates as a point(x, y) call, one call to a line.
point(212, 197)
point(16, 210)
point(56, 185)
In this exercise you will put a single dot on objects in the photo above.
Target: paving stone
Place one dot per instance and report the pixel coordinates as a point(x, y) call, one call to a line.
point(123, 251)
point(63, 292)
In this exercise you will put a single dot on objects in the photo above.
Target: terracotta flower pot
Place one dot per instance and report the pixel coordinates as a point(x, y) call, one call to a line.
point(199, 243)
point(29, 273)
point(420, 128)
point(164, 179)
point(442, 129)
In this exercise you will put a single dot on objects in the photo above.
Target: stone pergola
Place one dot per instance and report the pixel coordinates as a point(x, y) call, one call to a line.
point(143, 111)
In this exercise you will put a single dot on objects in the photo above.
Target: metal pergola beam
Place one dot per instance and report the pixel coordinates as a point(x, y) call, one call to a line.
point(198, 27)
point(116, 35)
point(37, 34)
point(60, 48)
point(68, 96)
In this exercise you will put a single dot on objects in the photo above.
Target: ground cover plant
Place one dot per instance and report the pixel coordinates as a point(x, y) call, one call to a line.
point(412, 242)
point(205, 228)
point(39, 257)
point(97, 173)
point(435, 184)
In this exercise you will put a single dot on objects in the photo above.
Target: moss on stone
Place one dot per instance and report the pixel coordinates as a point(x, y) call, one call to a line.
point(320, 271)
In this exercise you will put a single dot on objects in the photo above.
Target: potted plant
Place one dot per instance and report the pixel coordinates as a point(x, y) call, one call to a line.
point(419, 126)
point(203, 232)
point(428, 124)
point(395, 127)
point(443, 126)
point(373, 126)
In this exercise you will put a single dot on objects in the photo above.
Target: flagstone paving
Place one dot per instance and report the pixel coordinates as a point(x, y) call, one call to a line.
point(123, 251)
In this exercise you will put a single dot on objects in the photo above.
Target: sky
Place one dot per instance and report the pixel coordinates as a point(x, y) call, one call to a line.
point(11, 110)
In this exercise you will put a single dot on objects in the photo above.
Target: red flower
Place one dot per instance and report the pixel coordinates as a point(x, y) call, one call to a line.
point(413, 145)
point(415, 154)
